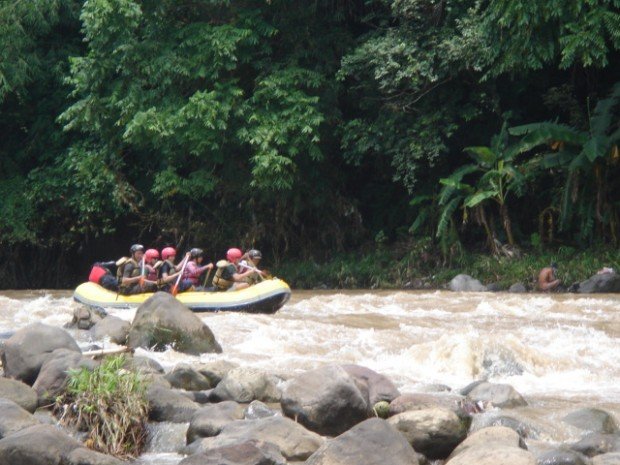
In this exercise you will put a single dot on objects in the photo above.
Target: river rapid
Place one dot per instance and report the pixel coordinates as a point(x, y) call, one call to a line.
point(559, 351)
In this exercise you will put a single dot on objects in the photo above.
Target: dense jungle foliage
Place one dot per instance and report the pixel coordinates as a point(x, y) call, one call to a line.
point(306, 129)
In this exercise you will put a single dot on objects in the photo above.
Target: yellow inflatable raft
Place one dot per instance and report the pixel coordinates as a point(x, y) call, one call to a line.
point(265, 297)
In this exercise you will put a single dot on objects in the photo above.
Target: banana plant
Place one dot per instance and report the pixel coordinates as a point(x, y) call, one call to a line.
point(496, 177)
point(589, 159)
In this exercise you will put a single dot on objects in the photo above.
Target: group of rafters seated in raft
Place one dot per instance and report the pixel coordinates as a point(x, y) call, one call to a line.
point(145, 272)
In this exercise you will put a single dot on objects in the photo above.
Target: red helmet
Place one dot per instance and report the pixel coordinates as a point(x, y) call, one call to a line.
point(233, 254)
point(151, 254)
point(168, 252)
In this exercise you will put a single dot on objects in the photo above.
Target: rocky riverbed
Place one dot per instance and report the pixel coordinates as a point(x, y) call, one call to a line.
point(336, 413)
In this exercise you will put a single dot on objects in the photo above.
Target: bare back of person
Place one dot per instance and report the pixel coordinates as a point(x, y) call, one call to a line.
point(547, 280)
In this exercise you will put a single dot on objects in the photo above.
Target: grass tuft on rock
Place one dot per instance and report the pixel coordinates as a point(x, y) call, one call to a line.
point(110, 403)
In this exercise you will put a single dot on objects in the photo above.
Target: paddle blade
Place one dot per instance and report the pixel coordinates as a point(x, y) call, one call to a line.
point(175, 290)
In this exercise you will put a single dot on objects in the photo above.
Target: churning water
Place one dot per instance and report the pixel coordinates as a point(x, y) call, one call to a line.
point(559, 351)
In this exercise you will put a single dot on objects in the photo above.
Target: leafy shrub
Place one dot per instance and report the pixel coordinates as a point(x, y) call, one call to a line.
point(110, 403)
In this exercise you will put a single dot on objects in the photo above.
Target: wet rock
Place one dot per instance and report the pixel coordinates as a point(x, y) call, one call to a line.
point(168, 405)
point(209, 420)
point(517, 288)
point(246, 453)
point(200, 397)
point(162, 321)
point(326, 400)
point(492, 446)
point(421, 401)
point(36, 445)
point(14, 418)
point(185, 377)
point(257, 410)
point(20, 393)
point(145, 365)
point(25, 352)
point(379, 387)
point(112, 327)
point(372, 442)
point(499, 395)
point(433, 388)
point(600, 283)
point(470, 387)
point(247, 384)
point(293, 440)
point(562, 457)
point(494, 435)
point(216, 370)
point(465, 283)
point(500, 363)
point(597, 443)
point(612, 458)
point(495, 287)
point(84, 456)
point(488, 419)
point(85, 318)
point(592, 419)
point(54, 372)
point(434, 432)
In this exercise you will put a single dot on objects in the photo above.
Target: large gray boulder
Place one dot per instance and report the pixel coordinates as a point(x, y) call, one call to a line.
point(25, 352)
point(465, 283)
point(247, 453)
point(612, 458)
point(162, 321)
point(422, 401)
point(592, 419)
point(379, 387)
point(498, 395)
point(434, 432)
point(600, 283)
point(495, 418)
point(326, 400)
point(216, 370)
point(562, 457)
point(53, 376)
point(209, 420)
point(20, 393)
point(293, 440)
point(492, 446)
point(372, 442)
point(13, 418)
point(185, 377)
point(84, 456)
point(37, 445)
point(517, 288)
point(597, 443)
point(245, 384)
point(112, 327)
point(168, 405)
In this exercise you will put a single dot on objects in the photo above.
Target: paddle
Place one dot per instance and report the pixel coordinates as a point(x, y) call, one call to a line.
point(142, 273)
point(256, 270)
point(175, 288)
point(207, 277)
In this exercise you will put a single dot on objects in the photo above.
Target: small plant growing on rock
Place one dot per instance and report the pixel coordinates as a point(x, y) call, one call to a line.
point(110, 403)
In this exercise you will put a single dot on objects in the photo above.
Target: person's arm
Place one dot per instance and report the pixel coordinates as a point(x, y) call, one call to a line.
point(241, 276)
point(126, 276)
point(208, 266)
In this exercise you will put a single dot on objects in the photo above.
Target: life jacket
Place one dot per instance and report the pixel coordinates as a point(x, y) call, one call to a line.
point(218, 279)
point(96, 273)
point(252, 278)
point(171, 269)
point(135, 272)
point(192, 273)
point(120, 267)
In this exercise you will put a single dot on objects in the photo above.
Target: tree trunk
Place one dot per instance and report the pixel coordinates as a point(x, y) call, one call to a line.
point(482, 218)
point(506, 223)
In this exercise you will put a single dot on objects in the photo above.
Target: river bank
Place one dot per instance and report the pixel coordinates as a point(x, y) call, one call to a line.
point(419, 266)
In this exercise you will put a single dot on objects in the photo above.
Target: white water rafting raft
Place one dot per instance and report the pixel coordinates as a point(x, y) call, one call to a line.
point(265, 297)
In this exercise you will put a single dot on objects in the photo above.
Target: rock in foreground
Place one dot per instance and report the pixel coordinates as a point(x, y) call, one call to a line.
point(163, 321)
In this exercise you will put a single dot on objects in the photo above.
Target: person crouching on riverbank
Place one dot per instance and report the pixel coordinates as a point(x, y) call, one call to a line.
point(547, 280)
